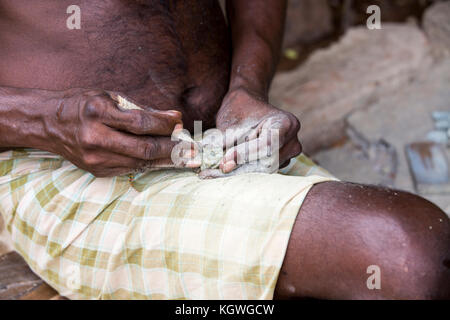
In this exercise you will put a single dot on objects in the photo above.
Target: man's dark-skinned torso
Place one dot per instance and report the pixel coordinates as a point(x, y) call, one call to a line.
point(165, 54)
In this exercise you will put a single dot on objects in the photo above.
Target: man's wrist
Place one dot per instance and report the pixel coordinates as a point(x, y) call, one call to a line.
point(255, 87)
point(24, 113)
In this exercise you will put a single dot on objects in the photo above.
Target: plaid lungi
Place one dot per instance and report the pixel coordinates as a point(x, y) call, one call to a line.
point(163, 235)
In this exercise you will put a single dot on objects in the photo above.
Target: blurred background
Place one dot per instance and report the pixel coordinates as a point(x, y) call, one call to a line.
point(374, 104)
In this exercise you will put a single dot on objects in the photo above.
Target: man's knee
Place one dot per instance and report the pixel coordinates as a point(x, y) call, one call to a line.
point(417, 252)
point(345, 228)
point(405, 235)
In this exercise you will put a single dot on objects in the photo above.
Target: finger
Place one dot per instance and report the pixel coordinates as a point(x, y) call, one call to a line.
point(186, 152)
point(241, 154)
point(140, 147)
point(261, 165)
point(239, 135)
point(285, 164)
point(265, 146)
point(142, 122)
point(292, 149)
point(127, 115)
point(107, 161)
point(271, 135)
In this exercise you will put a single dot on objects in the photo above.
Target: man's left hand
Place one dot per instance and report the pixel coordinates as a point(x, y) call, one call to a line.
point(249, 124)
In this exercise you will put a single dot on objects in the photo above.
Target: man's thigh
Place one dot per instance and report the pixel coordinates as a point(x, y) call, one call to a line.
point(342, 229)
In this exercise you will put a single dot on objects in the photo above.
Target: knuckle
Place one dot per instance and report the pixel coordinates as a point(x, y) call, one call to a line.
point(150, 149)
point(88, 139)
point(297, 149)
point(142, 120)
point(294, 123)
point(91, 160)
point(94, 107)
point(90, 109)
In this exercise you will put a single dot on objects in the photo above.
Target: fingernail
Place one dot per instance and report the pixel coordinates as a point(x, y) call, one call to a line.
point(178, 127)
point(228, 166)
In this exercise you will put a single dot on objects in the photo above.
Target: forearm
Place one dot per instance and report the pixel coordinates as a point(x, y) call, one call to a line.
point(22, 117)
point(257, 29)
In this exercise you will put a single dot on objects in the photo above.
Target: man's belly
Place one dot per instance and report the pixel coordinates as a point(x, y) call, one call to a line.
point(167, 56)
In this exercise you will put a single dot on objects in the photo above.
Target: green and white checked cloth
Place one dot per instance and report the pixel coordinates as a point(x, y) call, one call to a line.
point(163, 235)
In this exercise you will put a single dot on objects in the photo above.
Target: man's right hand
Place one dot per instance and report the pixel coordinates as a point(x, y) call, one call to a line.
point(89, 129)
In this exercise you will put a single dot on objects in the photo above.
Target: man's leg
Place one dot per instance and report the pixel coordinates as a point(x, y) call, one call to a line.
point(344, 228)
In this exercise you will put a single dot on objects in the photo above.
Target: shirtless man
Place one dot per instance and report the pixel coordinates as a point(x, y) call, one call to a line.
point(181, 56)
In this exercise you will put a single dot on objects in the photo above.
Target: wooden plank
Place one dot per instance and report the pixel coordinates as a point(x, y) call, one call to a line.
point(42, 292)
point(17, 281)
point(14, 291)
